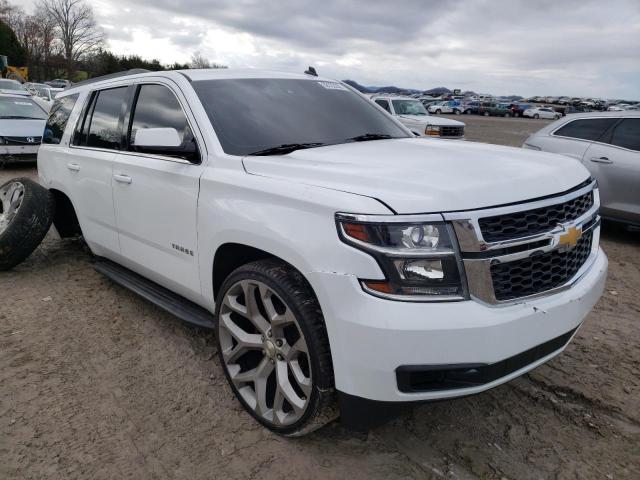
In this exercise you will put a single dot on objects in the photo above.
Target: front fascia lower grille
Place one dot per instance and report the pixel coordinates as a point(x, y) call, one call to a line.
point(534, 261)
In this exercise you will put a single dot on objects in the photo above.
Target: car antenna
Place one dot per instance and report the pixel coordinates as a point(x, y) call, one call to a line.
point(311, 71)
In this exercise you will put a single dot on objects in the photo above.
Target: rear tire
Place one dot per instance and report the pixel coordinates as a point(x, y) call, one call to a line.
point(438, 112)
point(274, 348)
point(536, 116)
point(26, 213)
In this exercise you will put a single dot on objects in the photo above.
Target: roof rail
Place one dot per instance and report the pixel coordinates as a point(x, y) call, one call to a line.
point(132, 71)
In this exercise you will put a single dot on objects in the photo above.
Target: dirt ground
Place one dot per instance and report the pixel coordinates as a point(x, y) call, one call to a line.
point(98, 383)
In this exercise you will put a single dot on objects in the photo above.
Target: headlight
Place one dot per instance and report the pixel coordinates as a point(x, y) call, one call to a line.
point(419, 258)
point(432, 130)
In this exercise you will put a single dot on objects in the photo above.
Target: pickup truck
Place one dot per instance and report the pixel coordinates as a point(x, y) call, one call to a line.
point(346, 266)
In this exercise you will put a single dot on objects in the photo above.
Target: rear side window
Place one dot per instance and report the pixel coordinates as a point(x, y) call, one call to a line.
point(627, 134)
point(587, 129)
point(58, 118)
point(104, 125)
point(384, 104)
point(158, 107)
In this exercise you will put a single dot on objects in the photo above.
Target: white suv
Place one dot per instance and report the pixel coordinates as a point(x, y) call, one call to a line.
point(344, 264)
point(412, 114)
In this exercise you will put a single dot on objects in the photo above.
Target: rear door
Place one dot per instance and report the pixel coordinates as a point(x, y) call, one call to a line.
point(89, 164)
point(156, 194)
point(616, 166)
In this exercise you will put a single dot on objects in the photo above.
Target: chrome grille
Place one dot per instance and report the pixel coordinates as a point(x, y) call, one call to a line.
point(530, 249)
point(533, 222)
point(539, 273)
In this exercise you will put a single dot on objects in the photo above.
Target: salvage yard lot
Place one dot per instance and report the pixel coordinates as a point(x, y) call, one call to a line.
point(98, 383)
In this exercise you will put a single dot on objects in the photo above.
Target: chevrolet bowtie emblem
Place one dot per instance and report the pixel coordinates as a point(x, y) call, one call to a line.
point(570, 237)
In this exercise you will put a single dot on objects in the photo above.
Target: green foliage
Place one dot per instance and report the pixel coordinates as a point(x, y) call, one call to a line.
point(10, 46)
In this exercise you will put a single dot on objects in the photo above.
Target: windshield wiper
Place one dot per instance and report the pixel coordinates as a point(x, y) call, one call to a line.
point(370, 136)
point(21, 117)
point(286, 148)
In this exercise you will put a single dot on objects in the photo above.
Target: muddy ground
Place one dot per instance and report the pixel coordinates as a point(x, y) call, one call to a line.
point(97, 383)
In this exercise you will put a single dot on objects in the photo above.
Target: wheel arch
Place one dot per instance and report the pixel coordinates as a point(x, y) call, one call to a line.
point(65, 218)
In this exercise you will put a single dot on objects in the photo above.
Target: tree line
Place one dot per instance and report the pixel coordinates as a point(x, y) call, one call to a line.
point(62, 39)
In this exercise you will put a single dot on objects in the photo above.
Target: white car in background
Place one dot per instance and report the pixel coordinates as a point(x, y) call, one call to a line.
point(22, 123)
point(542, 112)
point(12, 86)
point(43, 94)
point(412, 114)
point(608, 144)
point(444, 107)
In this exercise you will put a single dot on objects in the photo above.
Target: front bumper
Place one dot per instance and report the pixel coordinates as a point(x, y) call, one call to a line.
point(18, 153)
point(371, 338)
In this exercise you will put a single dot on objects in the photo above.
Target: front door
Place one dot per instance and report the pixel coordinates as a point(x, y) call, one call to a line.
point(156, 197)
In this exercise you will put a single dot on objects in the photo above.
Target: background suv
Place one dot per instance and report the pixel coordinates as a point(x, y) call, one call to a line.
point(608, 144)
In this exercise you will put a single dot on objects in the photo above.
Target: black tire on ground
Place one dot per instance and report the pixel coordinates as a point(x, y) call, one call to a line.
point(468, 112)
point(507, 115)
point(23, 230)
point(486, 114)
point(296, 293)
point(456, 111)
point(536, 116)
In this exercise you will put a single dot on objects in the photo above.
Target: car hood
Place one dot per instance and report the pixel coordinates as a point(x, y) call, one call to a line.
point(431, 120)
point(11, 127)
point(426, 175)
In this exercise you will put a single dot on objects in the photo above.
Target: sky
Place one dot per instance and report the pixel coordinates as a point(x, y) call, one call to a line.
point(503, 47)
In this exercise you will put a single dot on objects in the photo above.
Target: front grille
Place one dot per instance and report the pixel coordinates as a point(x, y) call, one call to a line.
point(539, 272)
point(451, 131)
point(533, 222)
point(20, 140)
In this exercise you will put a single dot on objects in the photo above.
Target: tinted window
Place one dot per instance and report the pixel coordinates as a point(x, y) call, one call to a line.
point(157, 107)
point(384, 104)
point(253, 114)
point(58, 118)
point(104, 131)
point(587, 129)
point(627, 134)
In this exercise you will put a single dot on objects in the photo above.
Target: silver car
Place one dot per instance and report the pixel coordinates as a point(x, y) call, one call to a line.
point(608, 144)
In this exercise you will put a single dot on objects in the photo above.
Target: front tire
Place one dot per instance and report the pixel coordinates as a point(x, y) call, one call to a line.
point(536, 116)
point(26, 213)
point(438, 112)
point(274, 349)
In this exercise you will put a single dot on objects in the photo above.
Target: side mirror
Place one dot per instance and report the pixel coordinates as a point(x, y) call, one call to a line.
point(157, 138)
point(166, 141)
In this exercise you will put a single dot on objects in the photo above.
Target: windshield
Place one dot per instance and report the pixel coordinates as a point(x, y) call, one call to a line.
point(254, 114)
point(10, 85)
point(409, 107)
point(13, 107)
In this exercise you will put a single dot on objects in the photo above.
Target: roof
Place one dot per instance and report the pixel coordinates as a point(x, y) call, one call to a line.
point(625, 113)
point(192, 75)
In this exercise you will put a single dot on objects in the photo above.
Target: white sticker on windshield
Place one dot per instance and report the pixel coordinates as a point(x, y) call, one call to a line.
point(23, 103)
point(333, 85)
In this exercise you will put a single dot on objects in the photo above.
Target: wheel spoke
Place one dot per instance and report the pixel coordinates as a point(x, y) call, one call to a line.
point(253, 310)
point(303, 382)
point(282, 376)
point(245, 340)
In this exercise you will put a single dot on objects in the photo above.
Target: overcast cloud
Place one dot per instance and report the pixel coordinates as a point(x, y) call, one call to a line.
point(527, 47)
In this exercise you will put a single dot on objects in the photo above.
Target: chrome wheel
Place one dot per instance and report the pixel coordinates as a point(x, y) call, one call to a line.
point(264, 352)
point(11, 196)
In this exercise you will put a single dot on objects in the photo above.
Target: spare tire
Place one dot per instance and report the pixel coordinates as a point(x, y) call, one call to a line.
point(26, 213)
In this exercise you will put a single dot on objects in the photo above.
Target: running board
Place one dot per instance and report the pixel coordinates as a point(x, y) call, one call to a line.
point(171, 302)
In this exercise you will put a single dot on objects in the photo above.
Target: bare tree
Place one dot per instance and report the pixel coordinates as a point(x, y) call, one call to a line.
point(199, 61)
point(75, 28)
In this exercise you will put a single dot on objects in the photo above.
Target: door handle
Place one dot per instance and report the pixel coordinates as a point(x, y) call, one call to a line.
point(74, 167)
point(123, 179)
point(601, 160)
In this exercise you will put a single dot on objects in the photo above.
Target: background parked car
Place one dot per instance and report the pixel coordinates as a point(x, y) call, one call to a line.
point(12, 86)
point(542, 112)
point(22, 124)
point(446, 107)
point(412, 114)
point(608, 144)
point(59, 83)
point(517, 109)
